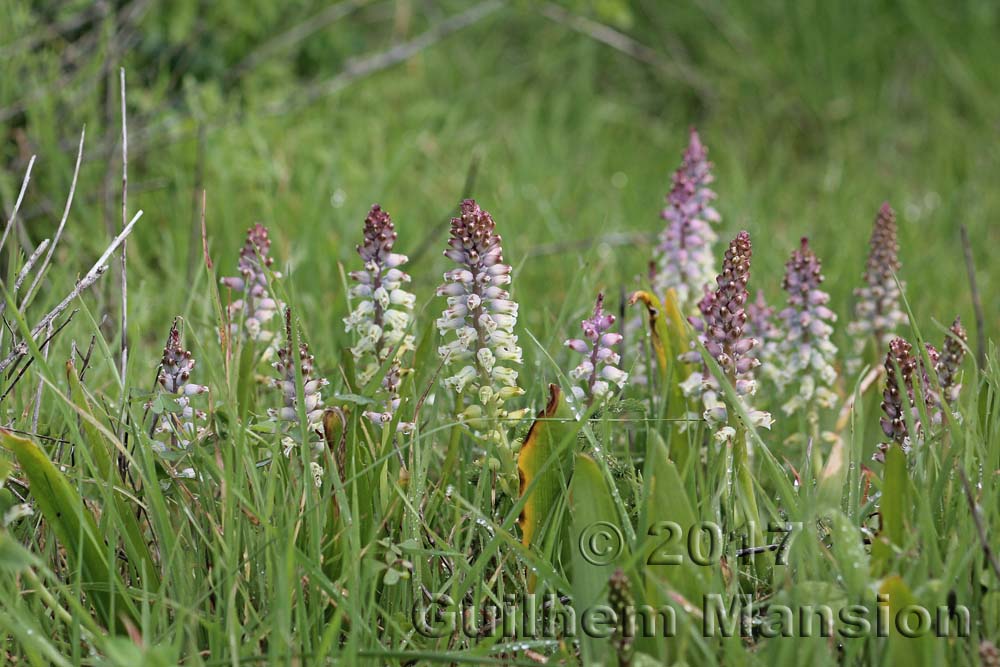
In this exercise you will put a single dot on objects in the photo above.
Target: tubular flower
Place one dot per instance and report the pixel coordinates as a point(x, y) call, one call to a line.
point(175, 373)
point(480, 316)
point(950, 361)
point(904, 372)
point(311, 383)
point(877, 310)
point(761, 327)
point(805, 355)
point(683, 258)
point(382, 315)
point(898, 396)
point(599, 368)
point(390, 385)
point(256, 304)
point(721, 330)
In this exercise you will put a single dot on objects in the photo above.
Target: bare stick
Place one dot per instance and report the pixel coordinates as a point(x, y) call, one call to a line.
point(25, 270)
point(96, 271)
point(124, 277)
point(977, 303)
point(52, 334)
point(62, 224)
point(17, 204)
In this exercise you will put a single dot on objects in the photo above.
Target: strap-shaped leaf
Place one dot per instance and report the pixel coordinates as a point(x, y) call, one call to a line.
point(74, 528)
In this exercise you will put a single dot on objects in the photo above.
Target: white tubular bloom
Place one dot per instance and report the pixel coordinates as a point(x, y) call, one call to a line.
point(480, 317)
point(382, 315)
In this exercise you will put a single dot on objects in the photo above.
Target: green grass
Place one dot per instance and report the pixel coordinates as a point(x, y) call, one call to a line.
point(814, 114)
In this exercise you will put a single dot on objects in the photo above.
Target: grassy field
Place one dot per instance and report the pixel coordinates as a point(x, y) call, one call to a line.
point(564, 121)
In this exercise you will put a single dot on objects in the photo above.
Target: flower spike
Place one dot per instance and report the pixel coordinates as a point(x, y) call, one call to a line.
point(256, 304)
point(312, 384)
point(382, 316)
point(877, 311)
point(174, 378)
point(599, 369)
point(804, 356)
point(683, 259)
point(480, 317)
point(950, 361)
point(721, 330)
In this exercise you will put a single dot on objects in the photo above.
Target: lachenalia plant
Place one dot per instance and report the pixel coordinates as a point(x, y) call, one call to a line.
point(877, 311)
point(911, 397)
point(251, 312)
point(683, 262)
point(382, 316)
point(598, 372)
point(480, 347)
point(726, 391)
point(801, 360)
point(178, 420)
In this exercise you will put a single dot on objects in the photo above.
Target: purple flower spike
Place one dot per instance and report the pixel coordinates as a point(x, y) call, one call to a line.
point(721, 330)
point(256, 303)
point(804, 356)
point(683, 258)
point(877, 312)
point(898, 396)
point(382, 315)
point(174, 380)
point(599, 369)
point(480, 315)
point(950, 360)
point(311, 383)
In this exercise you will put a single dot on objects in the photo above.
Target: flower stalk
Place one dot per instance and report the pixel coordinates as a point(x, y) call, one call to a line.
point(804, 355)
point(877, 313)
point(599, 369)
point(255, 306)
point(683, 259)
point(174, 380)
point(479, 320)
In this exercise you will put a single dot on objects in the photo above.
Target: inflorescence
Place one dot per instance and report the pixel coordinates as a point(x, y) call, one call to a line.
point(877, 312)
point(721, 330)
point(804, 355)
point(382, 317)
point(256, 306)
point(480, 317)
point(599, 369)
point(683, 259)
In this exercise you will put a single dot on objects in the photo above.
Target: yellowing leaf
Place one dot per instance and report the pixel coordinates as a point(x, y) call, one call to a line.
point(553, 425)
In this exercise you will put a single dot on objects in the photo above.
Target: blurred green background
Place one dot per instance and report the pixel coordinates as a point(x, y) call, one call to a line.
point(566, 119)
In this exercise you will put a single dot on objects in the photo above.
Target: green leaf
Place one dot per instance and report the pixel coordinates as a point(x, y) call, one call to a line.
point(598, 545)
point(849, 552)
point(903, 650)
point(75, 529)
point(667, 501)
point(895, 492)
